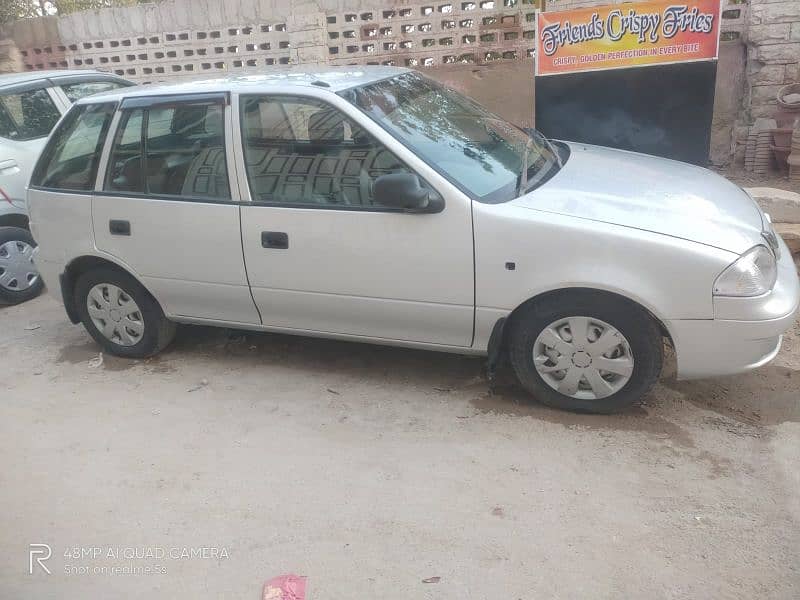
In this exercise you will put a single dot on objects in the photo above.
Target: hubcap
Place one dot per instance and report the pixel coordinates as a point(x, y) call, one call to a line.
point(115, 314)
point(583, 357)
point(17, 272)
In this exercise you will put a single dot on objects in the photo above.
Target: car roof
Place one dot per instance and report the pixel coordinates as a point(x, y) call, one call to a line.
point(31, 76)
point(332, 79)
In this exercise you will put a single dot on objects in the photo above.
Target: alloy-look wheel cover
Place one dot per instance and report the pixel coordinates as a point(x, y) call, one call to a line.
point(115, 314)
point(17, 272)
point(583, 357)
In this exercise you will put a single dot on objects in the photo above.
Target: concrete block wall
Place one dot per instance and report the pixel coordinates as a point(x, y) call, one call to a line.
point(149, 43)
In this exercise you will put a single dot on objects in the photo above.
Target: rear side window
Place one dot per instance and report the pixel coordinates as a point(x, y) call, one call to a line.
point(27, 115)
point(76, 91)
point(171, 150)
point(70, 159)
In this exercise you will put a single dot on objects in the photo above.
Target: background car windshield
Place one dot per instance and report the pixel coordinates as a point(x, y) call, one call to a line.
point(76, 91)
point(478, 151)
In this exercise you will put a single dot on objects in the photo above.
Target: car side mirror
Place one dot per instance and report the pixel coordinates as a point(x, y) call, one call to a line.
point(403, 190)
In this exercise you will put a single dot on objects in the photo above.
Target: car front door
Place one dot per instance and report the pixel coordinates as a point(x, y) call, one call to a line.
point(167, 209)
point(322, 255)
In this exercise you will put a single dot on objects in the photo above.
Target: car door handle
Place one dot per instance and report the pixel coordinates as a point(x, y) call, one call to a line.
point(274, 239)
point(119, 227)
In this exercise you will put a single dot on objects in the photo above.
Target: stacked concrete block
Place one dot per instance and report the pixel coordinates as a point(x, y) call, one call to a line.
point(10, 57)
point(773, 39)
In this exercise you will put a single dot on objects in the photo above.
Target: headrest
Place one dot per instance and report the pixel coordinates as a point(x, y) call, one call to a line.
point(326, 125)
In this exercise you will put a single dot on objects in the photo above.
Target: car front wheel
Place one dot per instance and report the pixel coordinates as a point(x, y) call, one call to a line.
point(586, 353)
point(19, 279)
point(121, 315)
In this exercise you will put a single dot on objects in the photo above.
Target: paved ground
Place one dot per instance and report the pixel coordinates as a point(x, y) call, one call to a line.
point(371, 469)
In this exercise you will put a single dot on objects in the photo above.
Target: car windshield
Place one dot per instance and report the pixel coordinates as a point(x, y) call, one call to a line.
point(487, 157)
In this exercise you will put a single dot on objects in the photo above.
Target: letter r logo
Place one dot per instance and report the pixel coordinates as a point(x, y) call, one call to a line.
point(39, 553)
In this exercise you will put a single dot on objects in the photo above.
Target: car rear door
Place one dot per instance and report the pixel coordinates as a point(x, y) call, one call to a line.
point(167, 208)
point(321, 255)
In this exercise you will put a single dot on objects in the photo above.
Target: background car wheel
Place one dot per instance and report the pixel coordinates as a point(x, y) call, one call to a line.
point(586, 352)
point(19, 279)
point(121, 315)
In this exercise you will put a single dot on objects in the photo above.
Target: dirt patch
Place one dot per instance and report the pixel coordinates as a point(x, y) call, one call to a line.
point(89, 353)
point(262, 433)
point(767, 396)
point(508, 398)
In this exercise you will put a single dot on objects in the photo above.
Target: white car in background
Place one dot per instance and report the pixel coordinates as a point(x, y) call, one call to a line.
point(375, 205)
point(30, 106)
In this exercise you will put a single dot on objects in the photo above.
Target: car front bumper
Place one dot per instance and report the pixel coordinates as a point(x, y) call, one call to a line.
point(746, 333)
point(715, 347)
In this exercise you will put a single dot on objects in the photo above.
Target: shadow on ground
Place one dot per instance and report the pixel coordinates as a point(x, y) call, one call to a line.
point(767, 396)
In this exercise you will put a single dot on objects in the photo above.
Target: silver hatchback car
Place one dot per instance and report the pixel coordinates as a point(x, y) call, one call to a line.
point(375, 205)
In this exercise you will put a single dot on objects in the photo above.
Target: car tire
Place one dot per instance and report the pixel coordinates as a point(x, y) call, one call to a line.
point(564, 371)
point(121, 315)
point(16, 245)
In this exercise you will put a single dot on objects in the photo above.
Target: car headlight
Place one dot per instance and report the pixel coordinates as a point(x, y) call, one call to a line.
point(754, 273)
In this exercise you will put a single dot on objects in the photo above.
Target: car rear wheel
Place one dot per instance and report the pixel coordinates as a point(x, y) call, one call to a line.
point(586, 353)
point(19, 279)
point(121, 315)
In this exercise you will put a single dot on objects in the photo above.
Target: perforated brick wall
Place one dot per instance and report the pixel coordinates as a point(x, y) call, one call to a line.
point(164, 41)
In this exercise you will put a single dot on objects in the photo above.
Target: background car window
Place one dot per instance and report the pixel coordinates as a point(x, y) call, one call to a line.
point(184, 152)
point(125, 164)
point(69, 161)
point(304, 151)
point(28, 115)
point(76, 91)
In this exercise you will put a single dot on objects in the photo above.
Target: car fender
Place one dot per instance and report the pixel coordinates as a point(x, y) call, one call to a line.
point(522, 253)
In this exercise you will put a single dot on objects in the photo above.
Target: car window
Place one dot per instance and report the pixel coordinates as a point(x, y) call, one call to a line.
point(69, 161)
point(125, 171)
point(27, 115)
point(184, 152)
point(304, 151)
point(76, 91)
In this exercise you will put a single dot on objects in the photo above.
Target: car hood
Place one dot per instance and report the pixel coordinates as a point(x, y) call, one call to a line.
point(650, 193)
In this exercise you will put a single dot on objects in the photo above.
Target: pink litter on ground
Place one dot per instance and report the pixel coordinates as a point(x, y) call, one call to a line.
point(285, 587)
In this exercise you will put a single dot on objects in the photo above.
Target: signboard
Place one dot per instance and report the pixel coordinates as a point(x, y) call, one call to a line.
point(626, 35)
